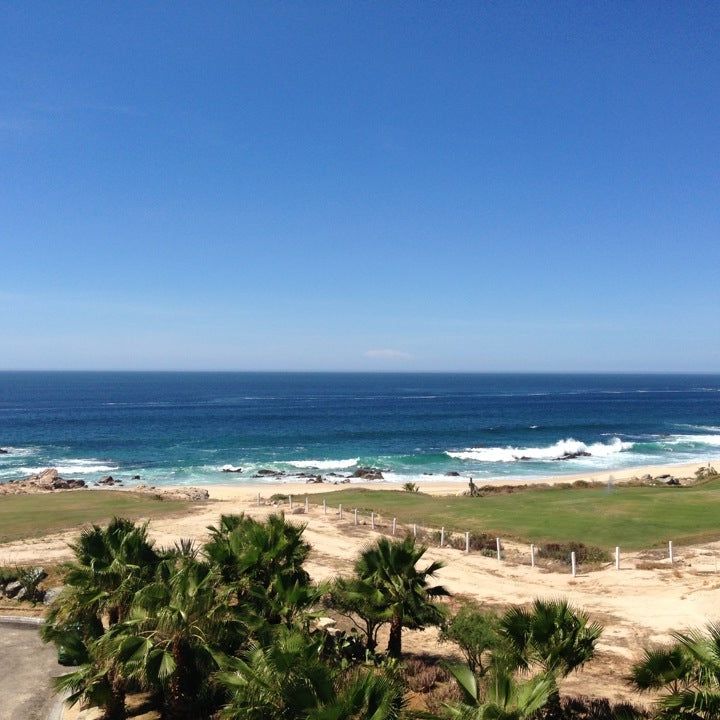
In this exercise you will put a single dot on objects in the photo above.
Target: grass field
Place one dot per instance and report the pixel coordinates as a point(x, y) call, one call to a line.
point(24, 516)
point(633, 517)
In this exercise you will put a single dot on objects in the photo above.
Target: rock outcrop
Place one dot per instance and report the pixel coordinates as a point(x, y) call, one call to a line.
point(368, 473)
point(47, 480)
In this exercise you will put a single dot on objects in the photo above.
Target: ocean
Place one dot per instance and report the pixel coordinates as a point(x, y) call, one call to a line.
point(183, 428)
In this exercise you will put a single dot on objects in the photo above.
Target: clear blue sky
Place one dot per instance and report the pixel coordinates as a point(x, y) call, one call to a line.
point(372, 186)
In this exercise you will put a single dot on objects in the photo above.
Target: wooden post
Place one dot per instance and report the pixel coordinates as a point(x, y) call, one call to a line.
point(532, 556)
point(617, 558)
point(497, 547)
point(414, 530)
point(340, 511)
point(307, 506)
point(394, 525)
point(258, 502)
point(355, 518)
point(290, 499)
point(442, 536)
point(467, 542)
point(670, 552)
point(372, 520)
point(573, 564)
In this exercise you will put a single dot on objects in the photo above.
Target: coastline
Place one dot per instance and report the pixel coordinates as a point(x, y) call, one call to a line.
point(447, 486)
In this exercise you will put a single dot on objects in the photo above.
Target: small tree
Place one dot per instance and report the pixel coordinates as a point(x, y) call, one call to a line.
point(475, 632)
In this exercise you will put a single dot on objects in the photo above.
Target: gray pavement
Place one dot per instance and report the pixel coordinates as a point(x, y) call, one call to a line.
point(26, 666)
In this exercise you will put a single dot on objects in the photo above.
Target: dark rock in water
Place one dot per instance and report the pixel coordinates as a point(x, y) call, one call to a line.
point(264, 472)
point(315, 479)
point(4, 452)
point(135, 477)
point(109, 480)
point(573, 455)
point(368, 473)
point(524, 457)
point(428, 473)
point(452, 473)
point(334, 474)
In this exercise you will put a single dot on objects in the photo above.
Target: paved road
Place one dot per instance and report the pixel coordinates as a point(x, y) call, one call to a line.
point(26, 666)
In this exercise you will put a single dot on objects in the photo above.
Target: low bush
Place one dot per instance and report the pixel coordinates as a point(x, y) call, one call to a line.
point(583, 708)
point(422, 676)
point(583, 553)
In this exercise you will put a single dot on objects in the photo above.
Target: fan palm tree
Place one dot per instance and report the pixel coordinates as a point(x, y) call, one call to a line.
point(110, 565)
point(176, 636)
point(503, 697)
point(259, 560)
point(287, 679)
point(688, 672)
point(389, 570)
point(551, 635)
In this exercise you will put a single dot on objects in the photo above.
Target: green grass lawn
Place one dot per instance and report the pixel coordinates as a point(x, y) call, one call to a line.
point(632, 517)
point(24, 516)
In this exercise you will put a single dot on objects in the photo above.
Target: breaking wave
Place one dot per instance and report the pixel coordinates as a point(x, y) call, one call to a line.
point(324, 464)
point(559, 450)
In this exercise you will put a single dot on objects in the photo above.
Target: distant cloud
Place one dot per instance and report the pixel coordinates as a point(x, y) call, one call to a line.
point(387, 354)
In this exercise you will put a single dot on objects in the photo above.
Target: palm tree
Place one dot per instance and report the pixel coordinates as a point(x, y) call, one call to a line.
point(551, 635)
point(287, 679)
point(177, 635)
point(503, 697)
point(688, 672)
point(388, 569)
point(111, 564)
point(259, 560)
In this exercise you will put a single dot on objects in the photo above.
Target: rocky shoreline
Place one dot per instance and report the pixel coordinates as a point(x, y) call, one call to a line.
point(50, 481)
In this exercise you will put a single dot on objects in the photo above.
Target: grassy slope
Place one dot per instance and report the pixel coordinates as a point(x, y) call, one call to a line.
point(632, 517)
point(23, 516)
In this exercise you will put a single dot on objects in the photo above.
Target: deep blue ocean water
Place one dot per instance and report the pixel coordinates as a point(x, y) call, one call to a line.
point(184, 427)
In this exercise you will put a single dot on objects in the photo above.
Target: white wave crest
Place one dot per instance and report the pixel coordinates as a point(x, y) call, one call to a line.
point(231, 468)
point(324, 464)
point(72, 467)
point(551, 452)
point(698, 439)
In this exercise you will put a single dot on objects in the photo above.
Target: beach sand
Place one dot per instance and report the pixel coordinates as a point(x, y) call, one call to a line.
point(636, 606)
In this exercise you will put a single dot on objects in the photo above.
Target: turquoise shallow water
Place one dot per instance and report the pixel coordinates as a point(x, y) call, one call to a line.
point(184, 427)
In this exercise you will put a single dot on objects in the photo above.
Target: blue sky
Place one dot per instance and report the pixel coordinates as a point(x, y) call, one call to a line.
point(369, 186)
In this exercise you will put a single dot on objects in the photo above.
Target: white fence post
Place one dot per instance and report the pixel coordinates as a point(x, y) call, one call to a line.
point(394, 525)
point(414, 530)
point(442, 536)
point(467, 542)
point(532, 555)
point(290, 499)
point(340, 511)
point(355, 518)
point(497, 547)
point(617, 558)
point(670, 552)
point(573, 564)
point(307, 506)
point(324, 506)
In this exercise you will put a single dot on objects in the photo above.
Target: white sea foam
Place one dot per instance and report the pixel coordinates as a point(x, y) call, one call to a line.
point(698, 439)
point(231, 468)
point(72, 466)
point(551, 452)
point(324, 464)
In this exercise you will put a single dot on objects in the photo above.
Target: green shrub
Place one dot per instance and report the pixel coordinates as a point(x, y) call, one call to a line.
point(583, 553)
point(475, 632)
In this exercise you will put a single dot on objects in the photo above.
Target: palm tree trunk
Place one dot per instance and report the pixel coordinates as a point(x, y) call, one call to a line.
point(115, 708)
point(395, 639)
point(178, 695)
